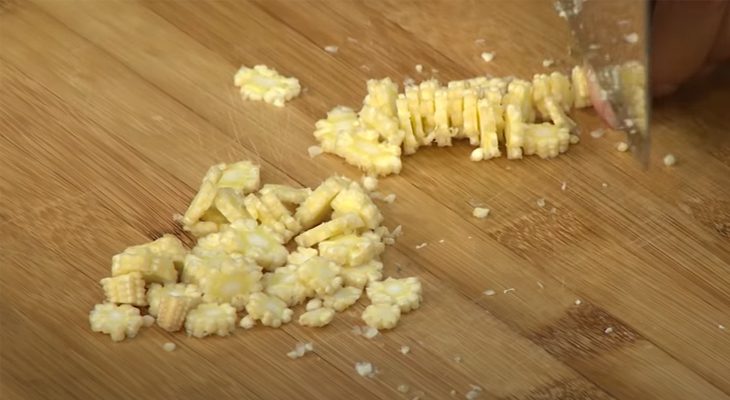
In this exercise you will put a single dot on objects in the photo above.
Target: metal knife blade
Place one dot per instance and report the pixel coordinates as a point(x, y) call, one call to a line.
point(612, 38)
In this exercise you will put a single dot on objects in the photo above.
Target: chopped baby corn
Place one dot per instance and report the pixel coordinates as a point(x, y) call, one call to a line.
point(286, 194)
point(427, 100)
point(414, 108)
point(156, 292)
point(300, 255)
point(353, 199)
point(141, 259)
point(545, 140)
point(363, 274)
point(382, 315)
point(264, 83)
point(168, 246)
point(244, 177)
point(118, 321)
point(253, 241)
point(514, 132)
point(343, 298)
point(284, 283)
point(315, 208)
point(351, 250)
point(231, 204)
point(406, 292)
point(410, 142)
point(173, 309)
point(205, 196)
point(317, 318)
point(471, 119)
point(197, 266)
point(344, 224)
point(313, 304)
point(247, 322)
point(364, 150)
point(340, 121)
point(270, 310)
point(125, 289)
point(210, 319)
point(232, 284)
point(579, 81)
point(320, 275)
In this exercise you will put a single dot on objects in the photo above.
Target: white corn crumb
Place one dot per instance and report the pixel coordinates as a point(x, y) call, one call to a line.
point(480, 41)
point(458, 359)
point(574, 139)
point(541, 202)
point(622, 146)
point(548, 62)
point(422, 245)
point(505, 291)
point(480, 212)
point(397, 231)
point(488, 56)
point(370, 183)
point(300, 349)
point(721, 327)
point(474, 393)
point(670, 160)
point(477, 154)
point(351, 39)
point(604, 184)
point(365, 68)
point(597, 133)
point(540, 285)
point(403, 388)
point(405, 349)
point(314, 151)
point(148, 321)
point(452, 393)
point(608, 330)
point(631, 38)
point(578, 302)
point(594, 46)
point(364, 369)
point(489, 292)
point(314, 304)
point(564, 186)
point(169, 346)
point(419, 68)
point(441, 240)
point(389, 198)
point(247, 322)
point(331, 49)
point(369, 332)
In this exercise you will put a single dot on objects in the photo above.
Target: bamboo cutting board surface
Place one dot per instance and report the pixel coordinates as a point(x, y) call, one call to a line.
point(111, 112)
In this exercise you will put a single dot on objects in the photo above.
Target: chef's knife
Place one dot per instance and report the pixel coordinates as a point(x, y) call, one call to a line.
point(612, 38)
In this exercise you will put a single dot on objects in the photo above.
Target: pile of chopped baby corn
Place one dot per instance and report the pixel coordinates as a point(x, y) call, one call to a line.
point(525, 117)
point(240, 264)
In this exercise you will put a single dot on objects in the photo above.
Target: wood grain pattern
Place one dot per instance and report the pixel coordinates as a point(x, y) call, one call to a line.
point(111, 111)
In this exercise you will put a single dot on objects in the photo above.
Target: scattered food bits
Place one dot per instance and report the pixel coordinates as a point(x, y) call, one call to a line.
point(314, 151)
point(369, 183)
point(169, 347)
point(604, 185)
point(622, 146)
point(403, 388)
point(368, 332)
point(540, 284)
point(300, 349)
point(389, 198)
point(331, 49)
point(317, 318)
point(452, 393)
point(632, 38)
point(480, 212)
point(721, 327)
point(148, 321)
point(488, 56)
point(474, 393)
point(405, 293)
point(578, 302)
point(597, 133)
point(351, 39)
point(405, 349)
point(419, 68)
point(669, 160)
point(264, 83)
point(574, 139)
point(422, 245)
point(480, 41)
point(510, 290)
point(365, 369)
point(564, 186)
point(247, 322)
point(548, 62)
point(489, 292)
point(314, 304)
point(458, 359)
point(608, 330)
point(541, 202)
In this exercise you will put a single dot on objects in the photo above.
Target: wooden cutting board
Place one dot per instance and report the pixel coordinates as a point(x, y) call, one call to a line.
point(111, 112)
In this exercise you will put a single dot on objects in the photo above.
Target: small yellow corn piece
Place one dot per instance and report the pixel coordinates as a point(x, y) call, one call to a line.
point(381, 316)
point(278, 210)
point(119, 322)
point(125, 289)
point(352, 250)
point(456, 91)
point(405, 293)
point(141, 259)
point(387, 127)
point(243, 177)
point(381, 95)
point(270, 310)
point(441, 131)
point(471, 122)
point(379, 110)
point(205, 196)
point(545, 140)
point(169, 246)
point(202, 228)
point(343, 224)
point(354, 199)
point(581, 95)
point(519, 94)
point(489, 139)
point(230, 204)
point(340, 121)
point(157, 292)
point(514, 132)
point(316, 207)
point(414, 107)
point(286, 194)
point(633, 90)
point(245, 237)
point(541, 91)
point(427, 98)
point(558, 116)
point(284, 284)
point(232, 284)
point(273, 214)
point(198, 266)
point(410, 142)
point(364, 150)
point(343, 298)
point(173, 309)
point(363, 274)
point(264, 83)
point(210, 318)
point(300, 255)
point(561, 91)
point(320, 275)
point(317, 318)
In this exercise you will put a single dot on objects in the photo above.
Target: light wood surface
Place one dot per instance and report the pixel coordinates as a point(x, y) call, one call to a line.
point(111, 111)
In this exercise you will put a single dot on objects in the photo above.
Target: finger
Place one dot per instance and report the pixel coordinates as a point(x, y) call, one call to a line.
point(683, 33)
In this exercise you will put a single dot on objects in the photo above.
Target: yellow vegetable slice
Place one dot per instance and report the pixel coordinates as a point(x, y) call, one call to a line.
point(353, 199)
point(251, 240)
point(316, 207)
point(442, 133)
point(545, 140)
point(270, 310)
point(345, 223)
point(284, 283)
point(343, 298)
point(317, 318)
point(320, 275)
point(579, 80)
point(381, 316)
point(405, 119)
point(340, 121)
point(118, 321)
point(126, 289)
point(232, 284)
point(174, 309)
point(210, 319)
point(471, 120)
point(156, 292)
point(352, 250)
point(363, 274)
point(514, 132)
point(405, 293)
point(264, 83)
